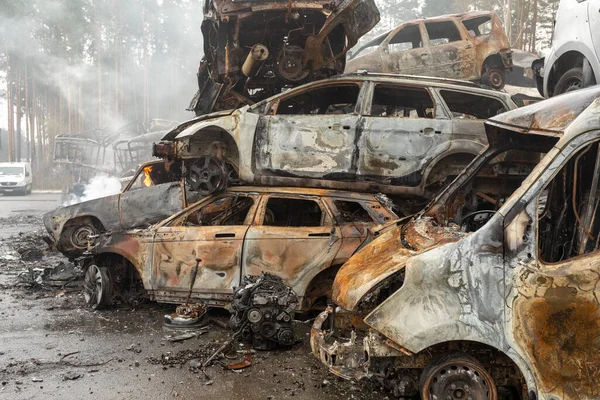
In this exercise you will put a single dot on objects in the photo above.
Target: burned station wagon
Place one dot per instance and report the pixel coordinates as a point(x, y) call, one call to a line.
point(362, 132)
point(488, 295)
point(299, 235)
point(155, 192)
point(470, 46)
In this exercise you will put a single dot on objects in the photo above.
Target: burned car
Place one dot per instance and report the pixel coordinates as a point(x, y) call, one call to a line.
point(470, 46)
point(155, 192)
point(498, 299)
point(255, 49)
point(299, 235)
point(399, 135)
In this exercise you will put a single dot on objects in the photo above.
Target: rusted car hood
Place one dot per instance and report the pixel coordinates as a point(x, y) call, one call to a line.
point(550, 117)
point(387, 255)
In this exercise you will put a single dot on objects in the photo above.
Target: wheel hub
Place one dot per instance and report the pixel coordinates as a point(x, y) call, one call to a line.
point(460, 381)
point(207, 175)
point(81, 236)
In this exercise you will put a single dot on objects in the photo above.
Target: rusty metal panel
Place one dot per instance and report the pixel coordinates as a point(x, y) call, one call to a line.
point(308, 145)
point(291, 252)
point(175, 252)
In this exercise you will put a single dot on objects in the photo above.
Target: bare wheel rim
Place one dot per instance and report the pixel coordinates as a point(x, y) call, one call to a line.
point(459, 379)
point(208, 175)
point(80, 236)
point(572, 84)
point(92, 286)
point(496, 79)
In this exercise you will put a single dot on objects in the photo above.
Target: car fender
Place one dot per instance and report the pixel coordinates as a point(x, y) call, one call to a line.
point(451, 147)
point(578, 46)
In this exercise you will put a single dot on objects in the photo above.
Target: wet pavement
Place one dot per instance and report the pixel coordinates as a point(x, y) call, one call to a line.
point(52, 346)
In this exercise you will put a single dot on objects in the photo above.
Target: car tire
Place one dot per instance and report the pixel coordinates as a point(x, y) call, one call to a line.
point(97, 287)
point(569, 81)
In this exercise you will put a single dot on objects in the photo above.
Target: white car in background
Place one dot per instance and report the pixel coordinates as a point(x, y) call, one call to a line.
point(15, 177)
point(573, 61)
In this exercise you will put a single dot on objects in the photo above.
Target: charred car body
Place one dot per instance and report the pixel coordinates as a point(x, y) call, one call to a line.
point(509, 309)
point(299, 235)
point(155, 192)
point(470, 46)
point(400, 135)
point(254, 49)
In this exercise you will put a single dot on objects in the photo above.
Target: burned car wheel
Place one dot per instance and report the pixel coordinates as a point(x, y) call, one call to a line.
point(494, 78)
point(97, 287)
point(79, 235)
point(208, 175)
point(457, 377)
point(569, 81)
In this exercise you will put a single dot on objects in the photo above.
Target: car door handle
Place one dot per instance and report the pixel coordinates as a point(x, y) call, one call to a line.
point(346, 127)
point(424, 54)
point(225, 235)
point(320, 234)
point(429, 131)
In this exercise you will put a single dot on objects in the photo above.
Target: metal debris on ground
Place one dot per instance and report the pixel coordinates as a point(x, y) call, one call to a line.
point(186, 336)
point(246, 362)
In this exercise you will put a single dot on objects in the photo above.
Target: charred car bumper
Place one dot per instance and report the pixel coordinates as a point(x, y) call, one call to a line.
point(348, 359)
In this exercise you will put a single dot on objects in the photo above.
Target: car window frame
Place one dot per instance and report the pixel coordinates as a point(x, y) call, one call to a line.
point(385, 45)
point(273, 106)
point(556, 170)
point(368, 101)
point(207, 200)
point(456, 25)
point(326, 214)
point(438, 90)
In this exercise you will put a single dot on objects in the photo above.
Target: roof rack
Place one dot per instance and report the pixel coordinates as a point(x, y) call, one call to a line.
point(414, 77)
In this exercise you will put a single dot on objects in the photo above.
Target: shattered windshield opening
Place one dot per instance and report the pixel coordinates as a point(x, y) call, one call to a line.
point(483, 187)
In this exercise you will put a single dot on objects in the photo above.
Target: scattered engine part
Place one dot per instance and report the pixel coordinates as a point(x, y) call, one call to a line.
point(263, 308)
point(186, 316)
point(257, 56)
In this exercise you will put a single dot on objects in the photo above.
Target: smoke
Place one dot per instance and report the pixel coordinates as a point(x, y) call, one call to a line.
point(110, 63)
point(99, 186)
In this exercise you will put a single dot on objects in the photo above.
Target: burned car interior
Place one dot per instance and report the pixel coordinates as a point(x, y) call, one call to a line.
point(509, 158)
point(339, 99)
point(568, 222)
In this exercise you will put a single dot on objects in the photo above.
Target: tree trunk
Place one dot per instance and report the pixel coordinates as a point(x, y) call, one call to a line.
point(18, 109)
point(9, 107)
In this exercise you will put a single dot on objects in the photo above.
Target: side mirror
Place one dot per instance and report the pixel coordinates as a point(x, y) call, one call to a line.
point(27, 174)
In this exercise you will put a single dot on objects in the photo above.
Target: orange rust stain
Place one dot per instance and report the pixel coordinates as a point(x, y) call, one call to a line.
point(561, 334)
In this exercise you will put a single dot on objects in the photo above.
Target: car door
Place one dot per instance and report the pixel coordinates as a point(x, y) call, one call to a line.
point(552, 274)
point(451, 54)
point(293, 237)
point(153, 195)
point(212, 232)
point(403, 52)
point(400, 134)
point(354, 219)
point(310, 133)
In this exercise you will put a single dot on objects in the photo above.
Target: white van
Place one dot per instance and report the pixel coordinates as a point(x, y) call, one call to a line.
point(15, 177)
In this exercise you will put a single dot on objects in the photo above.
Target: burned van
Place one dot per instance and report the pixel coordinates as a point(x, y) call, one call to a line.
point(488, 296)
